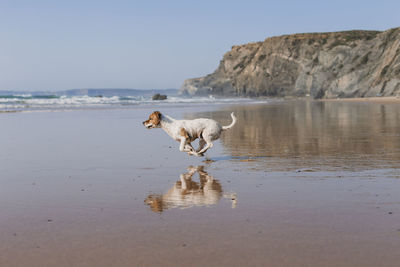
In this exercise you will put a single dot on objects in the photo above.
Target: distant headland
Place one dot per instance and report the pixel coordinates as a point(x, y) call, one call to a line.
point(320, 65)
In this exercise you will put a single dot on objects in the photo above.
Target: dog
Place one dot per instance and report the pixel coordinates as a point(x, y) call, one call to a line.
point(186, 131)
point(187, 193)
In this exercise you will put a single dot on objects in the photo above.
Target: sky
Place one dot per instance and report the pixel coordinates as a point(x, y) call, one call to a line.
point(58, 45)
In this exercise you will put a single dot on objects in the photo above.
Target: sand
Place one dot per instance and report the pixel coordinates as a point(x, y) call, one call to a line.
point(295, 183)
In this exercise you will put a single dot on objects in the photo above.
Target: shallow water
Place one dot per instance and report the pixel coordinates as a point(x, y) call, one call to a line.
point(294, 183)
point(320, 135)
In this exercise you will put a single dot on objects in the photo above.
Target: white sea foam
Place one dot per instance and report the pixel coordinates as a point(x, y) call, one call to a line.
point(31, 103)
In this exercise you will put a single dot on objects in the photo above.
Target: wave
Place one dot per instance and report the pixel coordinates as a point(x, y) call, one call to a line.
point(27, 102)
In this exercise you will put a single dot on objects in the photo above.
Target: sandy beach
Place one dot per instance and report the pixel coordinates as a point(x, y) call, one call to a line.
point(294, 183)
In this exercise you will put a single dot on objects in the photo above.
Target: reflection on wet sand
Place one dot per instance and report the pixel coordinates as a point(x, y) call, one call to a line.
point(187, 193)
point(318, 130)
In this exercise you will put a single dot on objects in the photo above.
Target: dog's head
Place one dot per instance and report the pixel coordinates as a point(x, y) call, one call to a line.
point(154, 120)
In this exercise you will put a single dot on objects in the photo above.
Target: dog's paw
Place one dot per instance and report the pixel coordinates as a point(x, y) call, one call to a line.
point(194, 153)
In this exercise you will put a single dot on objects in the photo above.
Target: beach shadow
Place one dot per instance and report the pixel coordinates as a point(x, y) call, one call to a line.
point(186, 193)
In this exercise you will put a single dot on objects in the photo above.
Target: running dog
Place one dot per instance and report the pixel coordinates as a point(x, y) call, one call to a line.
point(186, 131)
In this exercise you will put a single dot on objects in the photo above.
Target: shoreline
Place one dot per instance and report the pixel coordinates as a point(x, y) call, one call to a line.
point(383, 99)
point(219, 102)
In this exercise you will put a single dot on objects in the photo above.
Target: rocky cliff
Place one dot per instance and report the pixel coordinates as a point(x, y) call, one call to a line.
point(321, 65)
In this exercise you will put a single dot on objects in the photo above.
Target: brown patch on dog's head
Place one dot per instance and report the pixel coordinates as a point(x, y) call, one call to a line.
point(153, 121)
point(184, 133)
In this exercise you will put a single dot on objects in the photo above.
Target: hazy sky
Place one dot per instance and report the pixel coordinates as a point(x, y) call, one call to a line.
point(55, 45)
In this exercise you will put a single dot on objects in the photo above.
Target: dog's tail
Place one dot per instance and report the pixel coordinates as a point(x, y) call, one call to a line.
point(233, 122)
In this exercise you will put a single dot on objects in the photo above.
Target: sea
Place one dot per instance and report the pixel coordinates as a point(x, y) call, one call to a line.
point(98, 99)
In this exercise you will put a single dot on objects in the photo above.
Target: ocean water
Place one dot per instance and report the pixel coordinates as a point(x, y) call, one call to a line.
point(28, 102)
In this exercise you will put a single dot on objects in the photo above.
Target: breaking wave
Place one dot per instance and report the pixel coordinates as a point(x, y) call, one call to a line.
point(27, 102)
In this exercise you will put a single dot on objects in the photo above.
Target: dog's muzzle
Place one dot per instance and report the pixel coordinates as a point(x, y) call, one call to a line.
point(147, 126)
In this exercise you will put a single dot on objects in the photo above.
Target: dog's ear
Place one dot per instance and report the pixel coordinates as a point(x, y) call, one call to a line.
point(158, 113)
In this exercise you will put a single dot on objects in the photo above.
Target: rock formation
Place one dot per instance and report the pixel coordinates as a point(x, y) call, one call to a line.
point(321, 65)
point(159, 97)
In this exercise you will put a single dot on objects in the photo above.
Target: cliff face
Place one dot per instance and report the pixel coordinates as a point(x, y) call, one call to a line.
point(321, 65)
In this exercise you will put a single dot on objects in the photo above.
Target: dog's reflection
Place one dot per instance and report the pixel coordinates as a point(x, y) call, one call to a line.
point(187, 193)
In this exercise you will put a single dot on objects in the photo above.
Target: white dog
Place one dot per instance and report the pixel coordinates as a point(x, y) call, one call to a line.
point(186, 131)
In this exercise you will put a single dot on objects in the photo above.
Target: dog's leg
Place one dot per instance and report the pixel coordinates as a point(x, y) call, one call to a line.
point(191, 149)
point(185, 146)
point(202, 143)
point(194, 153)
point(208, 145)
point(189, 146)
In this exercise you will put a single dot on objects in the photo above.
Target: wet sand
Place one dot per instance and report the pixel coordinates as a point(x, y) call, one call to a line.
point(295, 183)
point(381, 100)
